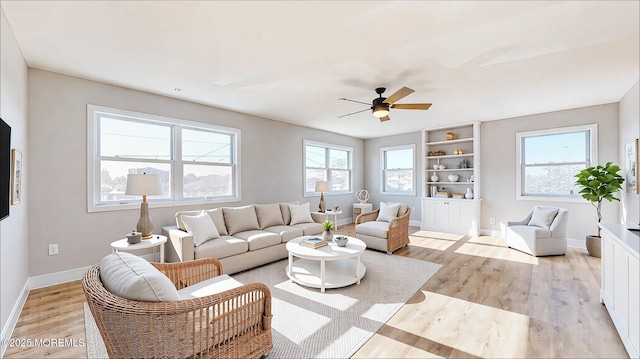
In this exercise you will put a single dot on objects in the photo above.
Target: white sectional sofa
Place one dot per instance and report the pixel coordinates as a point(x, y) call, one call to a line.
point(240, 237)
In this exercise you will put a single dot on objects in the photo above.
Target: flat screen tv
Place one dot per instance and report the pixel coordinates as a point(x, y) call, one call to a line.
point(5, 168)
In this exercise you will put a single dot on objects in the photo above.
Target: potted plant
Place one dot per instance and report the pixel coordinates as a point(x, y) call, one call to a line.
point(328, 230)
point(599, 183)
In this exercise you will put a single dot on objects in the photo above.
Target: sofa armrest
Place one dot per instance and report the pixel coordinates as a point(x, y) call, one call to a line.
point(318, 217)
point(180, 246)
point(367, 217)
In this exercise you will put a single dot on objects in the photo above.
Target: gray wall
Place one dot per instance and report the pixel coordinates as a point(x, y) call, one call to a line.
point(373, 170)
point(272, 165)
point(498, 151)
point(14, 230)
point(629, 130)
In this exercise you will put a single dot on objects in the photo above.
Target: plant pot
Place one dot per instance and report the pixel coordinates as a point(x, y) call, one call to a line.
point(594, 246)
point(327, 235)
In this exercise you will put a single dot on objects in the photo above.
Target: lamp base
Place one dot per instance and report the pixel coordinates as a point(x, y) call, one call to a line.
point(321, 205)
point(144, 225)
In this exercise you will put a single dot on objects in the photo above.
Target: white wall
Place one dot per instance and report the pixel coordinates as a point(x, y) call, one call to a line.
point(272, 164)
point(373, 170)
point(14, 230)
point(629, 130)
point(498, 151)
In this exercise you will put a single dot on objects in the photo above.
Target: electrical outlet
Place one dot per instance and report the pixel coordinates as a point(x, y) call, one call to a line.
point(492, 221)
point(53, 249)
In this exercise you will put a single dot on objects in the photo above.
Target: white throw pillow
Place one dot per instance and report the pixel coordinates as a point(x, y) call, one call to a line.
point(543, 217)
point(201, 227)
point(388, 211)
point(300, 213)
point(131, 277)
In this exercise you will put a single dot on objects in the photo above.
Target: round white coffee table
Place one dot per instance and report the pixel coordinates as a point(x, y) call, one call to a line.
point(326, 267)
point(156, 240)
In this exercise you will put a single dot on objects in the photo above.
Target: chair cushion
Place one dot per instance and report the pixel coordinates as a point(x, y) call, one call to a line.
point(388, 211)
point(374, 228)
point(300, 213)
point(210, 286)
point(286, 233)
point(201, 227)
point(259, 239)
point(225, 246)
point(543, 217)
point(131, 277)
point(269, 215)
point(530, 232)
point(239, 219)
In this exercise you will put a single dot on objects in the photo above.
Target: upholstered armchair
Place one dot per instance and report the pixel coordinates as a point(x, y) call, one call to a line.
point(214, 316)
point(387, 232)
point(543, 232)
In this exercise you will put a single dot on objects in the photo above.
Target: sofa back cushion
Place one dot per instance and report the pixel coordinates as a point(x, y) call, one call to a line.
point(300, 213)
point(286, 214)
point(131, 277)
point(269, 215)
point(216, 216)
point(240, 219)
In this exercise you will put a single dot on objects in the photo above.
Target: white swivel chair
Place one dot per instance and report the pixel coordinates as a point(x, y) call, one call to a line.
point(543, 232)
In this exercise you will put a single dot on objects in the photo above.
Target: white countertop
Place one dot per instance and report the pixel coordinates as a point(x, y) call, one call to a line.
point(629, 239)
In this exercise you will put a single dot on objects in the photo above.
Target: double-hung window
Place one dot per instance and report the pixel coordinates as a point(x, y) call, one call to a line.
point(197, 162)
point(549, 159)
point(325, 162)
point(398, 174)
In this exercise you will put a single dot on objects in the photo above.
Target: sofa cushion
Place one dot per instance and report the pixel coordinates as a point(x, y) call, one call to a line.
point(269, 215)
point(374, 228)
point(259, 239)
point(543, 217)
point(300, 213)
point(388, 211)
point(309, 229)
point(216, 216)
point(239, 219)
point(201, 227)
point(225, 246)
point(286, 233)
point(210, 286)
point(131, 277)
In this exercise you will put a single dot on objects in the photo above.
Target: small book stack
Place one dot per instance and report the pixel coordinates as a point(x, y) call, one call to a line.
point(313, 242)
point(458, 195)
point(442, 195)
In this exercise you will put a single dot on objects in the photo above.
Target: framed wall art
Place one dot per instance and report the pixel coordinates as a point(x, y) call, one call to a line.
point(631, 166)
point(16, 176)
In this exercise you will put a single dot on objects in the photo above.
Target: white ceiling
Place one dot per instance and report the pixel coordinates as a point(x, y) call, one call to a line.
point(291, 60)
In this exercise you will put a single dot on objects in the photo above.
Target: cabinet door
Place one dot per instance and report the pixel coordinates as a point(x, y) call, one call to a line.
point(621, 286)
point(467, 214)
point(634, 299)
point(453, 214)
point(441, 218)
point(607, 269)
point(429, 212)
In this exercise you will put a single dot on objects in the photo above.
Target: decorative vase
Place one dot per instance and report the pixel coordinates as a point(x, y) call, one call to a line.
point(434, 178)
point(469, 194)
point(453, 178)
point(442, 167)
point(594, 246)
point(327, 235)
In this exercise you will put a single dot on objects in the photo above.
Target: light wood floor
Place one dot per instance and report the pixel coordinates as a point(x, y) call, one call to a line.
point(487, 301)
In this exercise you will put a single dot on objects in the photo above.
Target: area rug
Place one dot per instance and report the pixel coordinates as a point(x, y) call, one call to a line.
point(335, 324)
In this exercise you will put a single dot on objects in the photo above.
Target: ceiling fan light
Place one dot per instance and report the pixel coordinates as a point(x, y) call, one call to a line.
point(380, 110)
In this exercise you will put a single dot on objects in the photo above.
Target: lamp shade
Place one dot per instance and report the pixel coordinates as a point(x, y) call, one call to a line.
point(322, 186)
point(144, 185)
point(380, 110)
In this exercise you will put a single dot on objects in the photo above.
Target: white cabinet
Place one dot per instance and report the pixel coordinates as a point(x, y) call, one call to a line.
point(359, 208)
point(620, 290)
point(449, 215)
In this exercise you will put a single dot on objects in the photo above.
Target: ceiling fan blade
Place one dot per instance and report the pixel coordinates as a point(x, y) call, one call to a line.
point(353, 113)
point(412, 106)
point(405, 91)
point(385, 118)
point(346, 99)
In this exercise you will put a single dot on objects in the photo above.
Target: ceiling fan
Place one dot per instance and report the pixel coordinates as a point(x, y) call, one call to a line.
point(380, 106)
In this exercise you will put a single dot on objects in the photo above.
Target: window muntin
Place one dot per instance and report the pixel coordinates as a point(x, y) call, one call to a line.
point(549, 160)
point(398, 174)
point(325, 162)
point(196, 162)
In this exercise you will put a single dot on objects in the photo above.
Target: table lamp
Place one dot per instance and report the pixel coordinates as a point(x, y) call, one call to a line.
point(144, 185)
point(322, 186)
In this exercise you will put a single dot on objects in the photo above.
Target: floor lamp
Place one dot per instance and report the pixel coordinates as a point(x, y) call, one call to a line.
point(322, 186)
point(144, 185)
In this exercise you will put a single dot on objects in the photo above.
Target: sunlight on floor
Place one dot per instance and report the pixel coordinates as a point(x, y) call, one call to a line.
point(329, 298)
point(434, 240)
point(494, 247)
point(299, 330)
point(489, 331)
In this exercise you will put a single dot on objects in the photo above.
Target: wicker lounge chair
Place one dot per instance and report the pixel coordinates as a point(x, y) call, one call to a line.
point(235, 323)
point(384, 236)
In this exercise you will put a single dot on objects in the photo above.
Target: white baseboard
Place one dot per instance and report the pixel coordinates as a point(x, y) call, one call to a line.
point(46, 280)
point(10, 325)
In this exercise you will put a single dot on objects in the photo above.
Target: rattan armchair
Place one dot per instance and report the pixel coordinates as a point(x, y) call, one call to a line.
point(233, 324)
point(384, 236)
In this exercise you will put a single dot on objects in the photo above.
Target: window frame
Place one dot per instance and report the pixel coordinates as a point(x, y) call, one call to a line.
point(592, 154)
point(94, 204)
point(384, 169)
point(327, 147)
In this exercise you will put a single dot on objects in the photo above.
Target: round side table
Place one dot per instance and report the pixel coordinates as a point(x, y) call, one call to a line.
point(156, 240)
